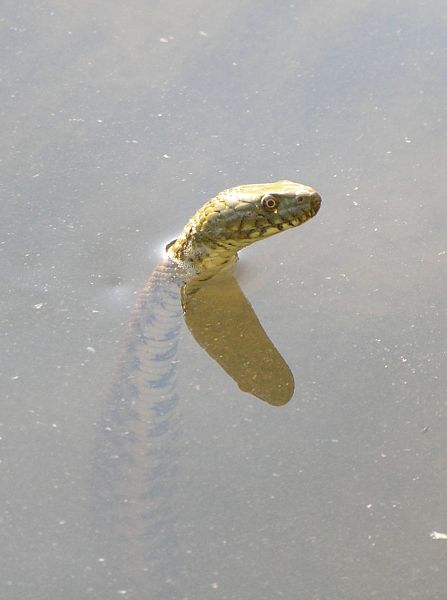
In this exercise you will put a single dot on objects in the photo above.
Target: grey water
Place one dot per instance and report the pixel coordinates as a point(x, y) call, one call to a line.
point(118, 120)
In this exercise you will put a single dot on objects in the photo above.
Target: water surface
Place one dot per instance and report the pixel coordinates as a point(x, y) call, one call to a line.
point(117, 122)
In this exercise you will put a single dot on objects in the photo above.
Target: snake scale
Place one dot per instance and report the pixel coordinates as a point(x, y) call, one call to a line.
point(135, 484)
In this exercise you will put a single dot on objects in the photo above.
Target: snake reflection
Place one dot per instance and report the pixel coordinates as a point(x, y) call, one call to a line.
point(139, 452)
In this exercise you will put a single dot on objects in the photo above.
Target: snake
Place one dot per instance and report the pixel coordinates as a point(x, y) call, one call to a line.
point(138, 453)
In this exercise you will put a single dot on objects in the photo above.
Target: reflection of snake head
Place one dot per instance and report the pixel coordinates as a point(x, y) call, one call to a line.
point(240, 216)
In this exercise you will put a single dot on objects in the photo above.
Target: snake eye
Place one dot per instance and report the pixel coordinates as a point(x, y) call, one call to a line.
point(269, 202)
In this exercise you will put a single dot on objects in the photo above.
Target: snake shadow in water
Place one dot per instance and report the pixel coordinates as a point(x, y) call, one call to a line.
point(223, 322)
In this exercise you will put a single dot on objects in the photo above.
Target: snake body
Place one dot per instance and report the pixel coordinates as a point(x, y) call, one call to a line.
point(139, 435)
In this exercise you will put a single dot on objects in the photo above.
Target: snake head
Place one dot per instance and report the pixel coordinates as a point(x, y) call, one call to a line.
point(240, 216)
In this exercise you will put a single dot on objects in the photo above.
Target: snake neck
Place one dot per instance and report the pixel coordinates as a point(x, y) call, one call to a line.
point(202, 256)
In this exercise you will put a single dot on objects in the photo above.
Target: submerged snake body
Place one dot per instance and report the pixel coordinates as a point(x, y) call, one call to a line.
point(138, 450)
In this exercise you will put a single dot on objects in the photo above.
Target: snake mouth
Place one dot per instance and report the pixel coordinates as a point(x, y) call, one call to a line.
point(310, 205)
point(315, 203)
point(305, 210)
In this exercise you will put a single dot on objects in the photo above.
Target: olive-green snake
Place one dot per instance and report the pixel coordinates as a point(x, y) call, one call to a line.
point(138, 456)
point(238, 217)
